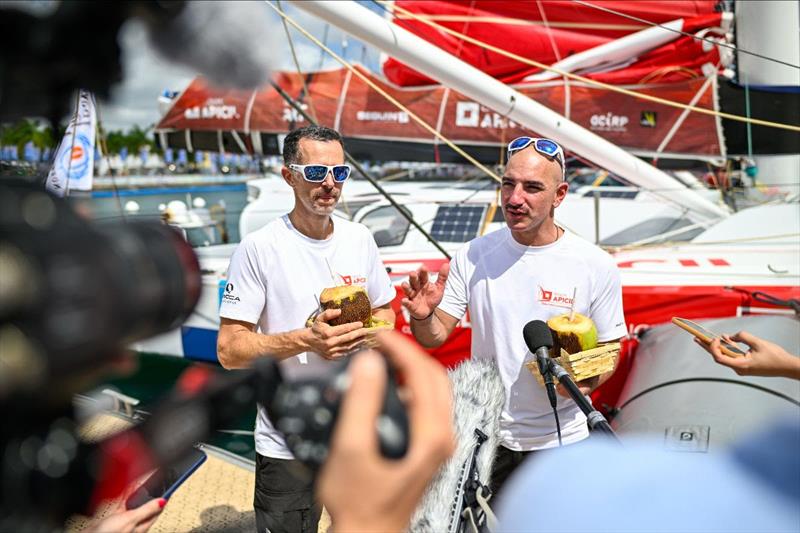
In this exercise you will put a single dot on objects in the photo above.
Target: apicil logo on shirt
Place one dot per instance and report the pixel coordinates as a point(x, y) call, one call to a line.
point(350, 280)
point(553, 298)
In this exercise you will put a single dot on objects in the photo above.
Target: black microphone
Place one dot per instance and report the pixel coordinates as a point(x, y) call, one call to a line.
point(539, 340)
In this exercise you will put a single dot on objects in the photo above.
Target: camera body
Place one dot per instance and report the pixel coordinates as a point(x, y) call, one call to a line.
point(306, 411)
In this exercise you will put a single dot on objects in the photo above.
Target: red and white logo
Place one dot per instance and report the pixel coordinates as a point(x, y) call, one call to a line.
point(554, 298)
point(350, 280)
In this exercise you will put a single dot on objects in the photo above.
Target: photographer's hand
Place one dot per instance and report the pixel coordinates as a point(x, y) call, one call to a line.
point(332, 342)
point(361, 489)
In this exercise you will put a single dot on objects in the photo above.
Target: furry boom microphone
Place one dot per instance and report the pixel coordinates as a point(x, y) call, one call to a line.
point(478, 396)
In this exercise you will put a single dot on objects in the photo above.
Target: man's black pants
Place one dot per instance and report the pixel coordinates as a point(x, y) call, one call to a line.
point(505, 462)
point(284, 501)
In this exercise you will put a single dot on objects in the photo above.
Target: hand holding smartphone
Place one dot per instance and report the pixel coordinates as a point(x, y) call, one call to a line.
point(706, 336)
point(165, 481)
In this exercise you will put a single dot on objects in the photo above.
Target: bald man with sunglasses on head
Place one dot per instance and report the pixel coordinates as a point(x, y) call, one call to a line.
point(274, 281)
point(526, 271)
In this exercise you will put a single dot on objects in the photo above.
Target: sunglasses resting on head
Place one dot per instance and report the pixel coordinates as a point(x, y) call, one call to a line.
point(317, 173)
point(545, 147)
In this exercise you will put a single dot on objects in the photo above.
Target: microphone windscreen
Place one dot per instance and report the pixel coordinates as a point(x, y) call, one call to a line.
point(537, 334)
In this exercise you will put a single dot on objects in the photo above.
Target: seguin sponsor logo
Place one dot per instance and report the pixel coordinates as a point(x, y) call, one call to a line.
point(553, 298)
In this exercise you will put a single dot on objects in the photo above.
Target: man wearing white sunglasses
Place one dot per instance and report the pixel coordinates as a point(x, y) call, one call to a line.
point(527, 271)
point(274, 281)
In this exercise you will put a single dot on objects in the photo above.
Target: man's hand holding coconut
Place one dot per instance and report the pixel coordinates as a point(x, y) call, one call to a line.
point(332, 342)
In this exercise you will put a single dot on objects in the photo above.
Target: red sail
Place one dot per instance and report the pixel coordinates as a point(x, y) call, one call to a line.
point(570, 28)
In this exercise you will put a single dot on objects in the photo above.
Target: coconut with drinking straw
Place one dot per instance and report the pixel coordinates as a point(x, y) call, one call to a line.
point(575, 346)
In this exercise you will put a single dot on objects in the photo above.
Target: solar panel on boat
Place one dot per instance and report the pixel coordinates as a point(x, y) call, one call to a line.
point(457, 223)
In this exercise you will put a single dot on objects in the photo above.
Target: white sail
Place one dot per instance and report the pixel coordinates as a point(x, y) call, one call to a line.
point(614, 53)
point(73, 166)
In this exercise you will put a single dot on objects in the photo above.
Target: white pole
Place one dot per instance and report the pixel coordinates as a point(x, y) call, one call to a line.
point(432, 61)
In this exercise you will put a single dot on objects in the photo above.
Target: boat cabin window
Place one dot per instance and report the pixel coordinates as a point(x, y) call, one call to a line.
point(203, 236)
point(651, 228)
point(387, 224)
point(457, 222)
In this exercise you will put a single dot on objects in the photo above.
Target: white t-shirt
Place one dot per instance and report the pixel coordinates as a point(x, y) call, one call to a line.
point(504, 285)
point(275, 278)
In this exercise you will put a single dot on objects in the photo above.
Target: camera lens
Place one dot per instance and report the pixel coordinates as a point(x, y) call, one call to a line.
point(80, 291)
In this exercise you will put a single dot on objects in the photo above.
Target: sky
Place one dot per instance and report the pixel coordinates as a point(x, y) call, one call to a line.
point(147, 74)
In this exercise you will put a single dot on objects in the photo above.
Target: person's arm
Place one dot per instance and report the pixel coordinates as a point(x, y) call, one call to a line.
point(385, 313)
point(431, 332)
point(362, 490)
point(238, 344)
point(763, 359)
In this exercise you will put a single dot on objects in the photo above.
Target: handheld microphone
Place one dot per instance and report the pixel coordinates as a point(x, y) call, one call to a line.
point(539, 340)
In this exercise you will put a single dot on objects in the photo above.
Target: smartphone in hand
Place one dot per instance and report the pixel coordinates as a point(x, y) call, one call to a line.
point(707, 336)
point(165, 481)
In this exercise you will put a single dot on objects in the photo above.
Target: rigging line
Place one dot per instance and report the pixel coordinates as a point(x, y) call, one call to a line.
point(557, 54)
point(297, 64)
point(101, 134)
point(528, 22)
point(324, 41)
point(72, 147)
point(364, 173)
point(685, 34)
point(595, 83)
point(394, 101)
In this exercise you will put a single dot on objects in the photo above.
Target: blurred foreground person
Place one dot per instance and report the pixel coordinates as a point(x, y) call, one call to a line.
point(753, 486)
point(763, 359)
point(361, 489)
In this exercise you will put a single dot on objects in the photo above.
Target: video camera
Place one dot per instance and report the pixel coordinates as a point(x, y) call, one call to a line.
point(73, 294)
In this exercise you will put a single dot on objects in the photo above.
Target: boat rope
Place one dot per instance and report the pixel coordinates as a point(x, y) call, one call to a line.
point(514, 21)
point(386, 95)
point(72, 147)
point(297, 64)
point(685, 34)
point(766, 298)
point(102, 142)
point(590, 82)
point(557, 54)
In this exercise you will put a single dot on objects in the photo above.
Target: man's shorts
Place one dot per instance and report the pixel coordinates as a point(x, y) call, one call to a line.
point(284, 501)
